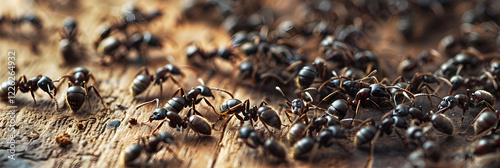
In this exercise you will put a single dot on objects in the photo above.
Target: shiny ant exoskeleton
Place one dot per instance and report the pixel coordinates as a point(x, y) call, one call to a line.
point(79, 88)
point(149, 147)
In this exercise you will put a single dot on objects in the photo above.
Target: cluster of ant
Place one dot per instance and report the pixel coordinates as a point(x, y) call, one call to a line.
point(117, 39)
point(265, 49)
point(27, 27)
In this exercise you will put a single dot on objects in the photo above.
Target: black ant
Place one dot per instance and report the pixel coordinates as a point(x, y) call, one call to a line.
point(67, 44)
point(469, 82)
point(142, 82)
point(484, 122)
point(366, 94)
point(198, 123)
point(77, 88)
point(298, 106)
point(31, 85)
point(483, 147)
point(325, 138)
point(266, 114)
point(254, 139)
point(409, 64)
point(471, 100)
point(150, 147)
point(194, 50)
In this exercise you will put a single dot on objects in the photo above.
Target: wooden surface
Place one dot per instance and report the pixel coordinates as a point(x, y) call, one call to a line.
point(99, 145)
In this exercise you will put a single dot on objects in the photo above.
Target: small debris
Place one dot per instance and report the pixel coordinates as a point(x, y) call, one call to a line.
point(132, 121)
point(114, 123)
point(63, 139)
point(120, 107)
point(79, 126)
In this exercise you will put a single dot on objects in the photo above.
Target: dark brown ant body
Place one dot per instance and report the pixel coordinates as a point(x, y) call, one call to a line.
point(78, 88)
point(253, 139)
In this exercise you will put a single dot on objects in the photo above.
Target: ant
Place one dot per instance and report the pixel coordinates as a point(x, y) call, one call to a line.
point(265, 113)
point(77, 88)
point(484, 122)
point(484, 146)
point(193, 50)
point(366, 94)
point(409, 64)
point(66, 45)
point(470, 100)
point(254, 139)
point(31, 85)
point(197, 122)
point(150, 147)
point(298, 106)
point(469, 82)
point(325, 138)
point(142, 82)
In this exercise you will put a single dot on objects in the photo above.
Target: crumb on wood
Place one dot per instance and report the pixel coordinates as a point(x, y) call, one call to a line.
point(63, 139)
point(79, 125)
point(132, 121)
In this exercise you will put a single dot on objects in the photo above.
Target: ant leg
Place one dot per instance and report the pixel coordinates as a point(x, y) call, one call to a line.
point(173, 80)
point(225, 91)
point(240, 79)
point(51, 94)
point(177, 91)
point(283, 94)
point(371, 157)
point(273, 76)
point(174, 154)
point(331, 79)
point(157, 128)
point(288, 116)
point(97, 94)
point(148, 102)
point(490, 77)
point(473, 121)
point(267, 128)
point(397, 80)
point(356, 113)
point(33, 96)
point(142, 69)
point(223, 127)
point(330, 95)
point(480, 134)
point(71, 79)
point(210, 104)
